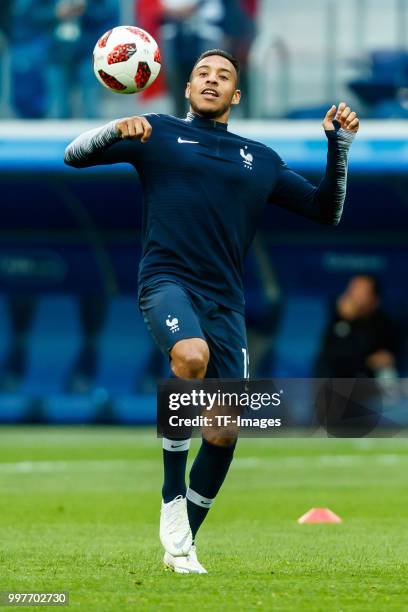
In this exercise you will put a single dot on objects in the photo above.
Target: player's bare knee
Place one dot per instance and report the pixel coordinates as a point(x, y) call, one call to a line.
point(189, 365)
point(189, 358)
point(220, 438)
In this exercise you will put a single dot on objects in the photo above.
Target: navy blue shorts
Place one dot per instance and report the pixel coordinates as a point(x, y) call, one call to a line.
point(173, 312)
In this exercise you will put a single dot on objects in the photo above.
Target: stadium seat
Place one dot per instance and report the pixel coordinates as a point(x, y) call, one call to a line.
point(388, 72)
point(4, 328)
point(53, 345)
point(138, 409)
point(298, 337)
point(125, 347)
point(66, 409)
point(13, 408)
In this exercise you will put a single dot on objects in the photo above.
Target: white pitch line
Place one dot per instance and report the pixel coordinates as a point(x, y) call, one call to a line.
point(28, 467)
point(321, 460)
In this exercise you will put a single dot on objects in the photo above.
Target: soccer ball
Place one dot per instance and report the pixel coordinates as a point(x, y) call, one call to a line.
point(126, 59)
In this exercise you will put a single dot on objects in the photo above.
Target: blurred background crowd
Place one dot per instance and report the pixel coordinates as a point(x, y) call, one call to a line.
point(321, 302)
point(46, 48)
point(297, 57)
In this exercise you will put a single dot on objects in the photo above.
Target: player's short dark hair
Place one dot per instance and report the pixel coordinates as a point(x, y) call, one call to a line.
point(231, 58)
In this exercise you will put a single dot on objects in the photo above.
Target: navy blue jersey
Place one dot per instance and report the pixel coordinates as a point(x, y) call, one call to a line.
point(204, 192)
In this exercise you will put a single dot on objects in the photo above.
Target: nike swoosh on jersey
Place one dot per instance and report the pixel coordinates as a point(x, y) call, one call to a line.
point(181, 141)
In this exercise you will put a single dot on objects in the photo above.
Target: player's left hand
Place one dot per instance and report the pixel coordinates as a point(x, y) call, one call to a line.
point(344, 115)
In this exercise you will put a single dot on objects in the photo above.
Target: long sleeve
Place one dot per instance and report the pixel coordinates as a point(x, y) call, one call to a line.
point(101, 146)
point(323, 203)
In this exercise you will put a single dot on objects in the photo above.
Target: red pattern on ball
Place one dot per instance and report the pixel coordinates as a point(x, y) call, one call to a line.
point(157, 56)
point(121, 53)
point(142, 75)
point(104, 39)
point(139, 33)
point(110, 81)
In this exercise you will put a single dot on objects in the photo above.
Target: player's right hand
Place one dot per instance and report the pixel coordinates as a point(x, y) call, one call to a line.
point(134, 128)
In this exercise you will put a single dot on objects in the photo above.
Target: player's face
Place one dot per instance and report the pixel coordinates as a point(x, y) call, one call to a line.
point(212, 88)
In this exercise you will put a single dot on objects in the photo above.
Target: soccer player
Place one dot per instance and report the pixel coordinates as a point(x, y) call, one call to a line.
point(204, 192)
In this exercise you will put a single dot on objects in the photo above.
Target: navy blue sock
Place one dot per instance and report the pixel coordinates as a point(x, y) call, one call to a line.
point(174, 462)
point(206, 477)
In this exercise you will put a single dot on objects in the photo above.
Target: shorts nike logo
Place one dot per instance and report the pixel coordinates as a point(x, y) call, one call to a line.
point(181, 141)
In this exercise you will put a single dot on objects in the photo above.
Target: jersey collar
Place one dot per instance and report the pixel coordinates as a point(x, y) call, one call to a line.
point(203, 122)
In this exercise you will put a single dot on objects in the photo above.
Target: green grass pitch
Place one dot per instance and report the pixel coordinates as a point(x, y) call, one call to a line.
point(79, 512)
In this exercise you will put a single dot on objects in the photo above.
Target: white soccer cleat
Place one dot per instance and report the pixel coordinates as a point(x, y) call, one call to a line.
point(175, 532)
point(184, 565)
